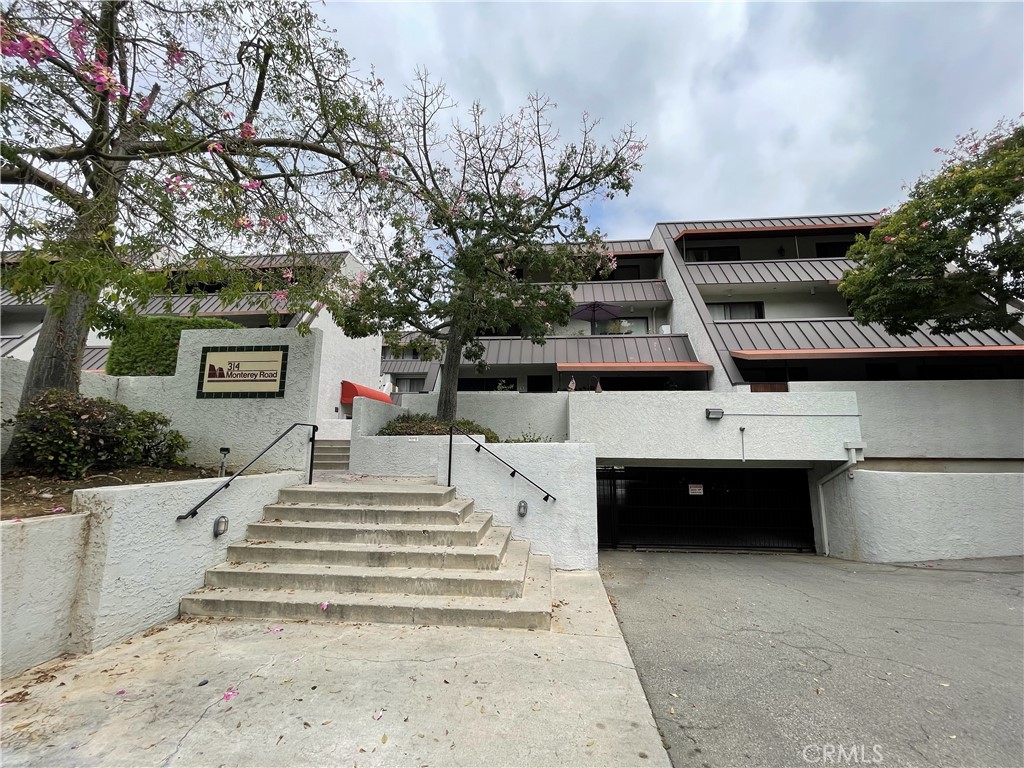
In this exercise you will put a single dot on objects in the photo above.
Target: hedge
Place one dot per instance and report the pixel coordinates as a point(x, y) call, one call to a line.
point(148, 346)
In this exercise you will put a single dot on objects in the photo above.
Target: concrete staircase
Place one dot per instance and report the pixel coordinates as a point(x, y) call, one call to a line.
point(379, 550)
point(331, 455)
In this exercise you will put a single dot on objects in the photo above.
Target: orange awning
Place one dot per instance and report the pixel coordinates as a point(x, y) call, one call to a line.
point(350, 390)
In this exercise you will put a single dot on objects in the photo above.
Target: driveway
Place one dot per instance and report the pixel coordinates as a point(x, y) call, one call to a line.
point(787, 660)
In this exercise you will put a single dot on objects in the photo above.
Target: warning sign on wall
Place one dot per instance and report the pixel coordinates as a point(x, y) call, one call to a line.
point(696, 489)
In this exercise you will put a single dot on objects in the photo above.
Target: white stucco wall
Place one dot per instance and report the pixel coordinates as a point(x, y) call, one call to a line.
point(672, 425)
point(936, 419)
point(246, 426)
point(139, 561)
point(882, 517)
point(510, 414)
point(42, 559)
point(565, 529)
point(407, 456)
point(343, 359)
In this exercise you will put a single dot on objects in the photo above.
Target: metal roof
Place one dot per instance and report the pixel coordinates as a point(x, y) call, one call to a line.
point(846, 335)
point(428, 369)
point(725, 227)
point(251, 304)
point(625, 247)
point(9, 343)
point(621, 291)
point(776, 271)
point(95, 358)
point(8, 299)
point(588, 349)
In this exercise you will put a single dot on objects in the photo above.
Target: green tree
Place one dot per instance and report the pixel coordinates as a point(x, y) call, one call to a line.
point(142, 137)
point(952, 255)
point(474, 206)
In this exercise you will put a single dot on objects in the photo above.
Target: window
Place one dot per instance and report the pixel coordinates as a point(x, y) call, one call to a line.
point(621, 326)
point(832, 250)
point(626, 272)
point(737, 310)
point(407, 384)
point(714, 253)
point(539, 383)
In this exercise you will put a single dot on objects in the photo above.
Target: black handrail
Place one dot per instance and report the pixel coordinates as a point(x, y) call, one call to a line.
point(548, 496)
point(312, 449)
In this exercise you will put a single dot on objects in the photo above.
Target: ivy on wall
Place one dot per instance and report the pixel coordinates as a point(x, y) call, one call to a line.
point(148, 346)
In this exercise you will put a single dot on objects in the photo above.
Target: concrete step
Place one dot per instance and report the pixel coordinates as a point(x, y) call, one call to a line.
point(467, 533)
point(333, 443)
point(485, 556)
point(452, 513)
point(506, 581)
point(531, 611)
point(331, 451)
point(391, 494)
point(330, 465)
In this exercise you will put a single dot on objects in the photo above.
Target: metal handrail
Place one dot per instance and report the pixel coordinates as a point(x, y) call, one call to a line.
point(312, 450)
point(548, 496)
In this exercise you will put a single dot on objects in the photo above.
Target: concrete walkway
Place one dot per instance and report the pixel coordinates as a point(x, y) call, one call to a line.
point(337, 694)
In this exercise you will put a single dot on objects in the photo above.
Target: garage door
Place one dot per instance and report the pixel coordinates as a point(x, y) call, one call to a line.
point(702, 507)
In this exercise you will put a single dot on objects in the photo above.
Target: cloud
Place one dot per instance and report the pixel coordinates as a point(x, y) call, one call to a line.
point(750, 110)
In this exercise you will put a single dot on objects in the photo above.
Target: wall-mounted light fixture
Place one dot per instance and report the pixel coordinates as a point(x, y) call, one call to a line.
point(220, 526)
point(713, 414)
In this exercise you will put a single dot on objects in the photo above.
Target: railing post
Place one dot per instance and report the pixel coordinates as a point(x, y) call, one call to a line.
point(312, 453)
point(450, 430)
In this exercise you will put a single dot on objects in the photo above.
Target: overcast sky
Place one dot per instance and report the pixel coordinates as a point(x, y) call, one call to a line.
point(750, 110)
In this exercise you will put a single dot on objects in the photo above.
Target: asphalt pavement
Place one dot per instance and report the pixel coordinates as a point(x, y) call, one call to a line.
point(790, 660)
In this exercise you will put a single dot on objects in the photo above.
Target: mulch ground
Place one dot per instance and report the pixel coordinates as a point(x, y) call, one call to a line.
point(23, 494)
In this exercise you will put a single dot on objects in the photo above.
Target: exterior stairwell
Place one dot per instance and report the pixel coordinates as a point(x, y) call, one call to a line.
point(331, 455)
point(379, 551)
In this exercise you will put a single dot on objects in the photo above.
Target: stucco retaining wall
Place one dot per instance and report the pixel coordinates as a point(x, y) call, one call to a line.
point(511, 414)
point(246, 426)
point(672, 425)
point(406, 456)
point(565, 528)
point(883, 517)
point(139, 560)
point(42, 559)
point(939, 419)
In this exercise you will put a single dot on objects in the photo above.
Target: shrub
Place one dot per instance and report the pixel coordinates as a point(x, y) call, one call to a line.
point(422, 424)
point(531, 437)
point(66, 434)
point(148, 346)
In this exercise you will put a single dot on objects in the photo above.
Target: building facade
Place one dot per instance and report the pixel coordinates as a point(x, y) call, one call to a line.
point(735, 403)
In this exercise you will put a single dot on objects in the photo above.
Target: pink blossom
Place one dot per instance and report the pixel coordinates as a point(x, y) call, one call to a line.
point(281, 218)
point(175, 54)
point(230, 693)
point(243, 222)
point(227, 116)
point(216, 147)
point(924, 224)
point(323, 605)
point(281, 294)
point(102, 77)
point(264, 223)
point(32, 48)
point(78, 39)
point(252, 184)
point(889, 238)
point(144, 105)
point(287, 275)
point(383, 174)
point(247, 131)
point(177, 186)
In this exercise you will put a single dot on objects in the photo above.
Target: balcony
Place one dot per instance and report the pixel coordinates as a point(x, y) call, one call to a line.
point(635, 292)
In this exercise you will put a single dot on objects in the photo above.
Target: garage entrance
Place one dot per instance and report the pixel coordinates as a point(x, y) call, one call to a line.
point(704, 508)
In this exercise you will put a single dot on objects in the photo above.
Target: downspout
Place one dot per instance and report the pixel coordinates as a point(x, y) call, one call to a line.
point(851, 449)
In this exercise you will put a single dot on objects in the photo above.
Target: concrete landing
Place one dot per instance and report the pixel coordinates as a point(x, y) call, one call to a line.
point(342, 694)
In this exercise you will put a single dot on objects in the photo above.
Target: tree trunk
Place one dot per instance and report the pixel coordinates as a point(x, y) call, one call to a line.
point(447, 401)
point(57, 359)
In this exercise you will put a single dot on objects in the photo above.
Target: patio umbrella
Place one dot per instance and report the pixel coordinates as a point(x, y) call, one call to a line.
point(596, 310)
